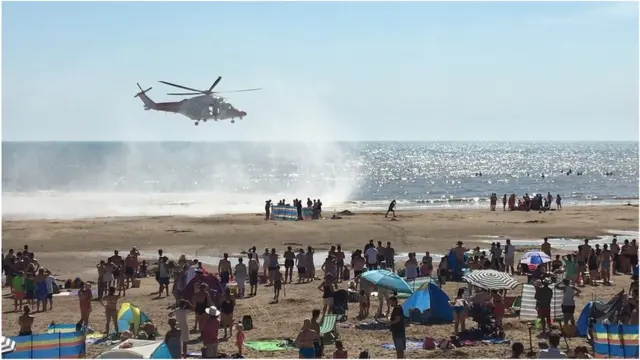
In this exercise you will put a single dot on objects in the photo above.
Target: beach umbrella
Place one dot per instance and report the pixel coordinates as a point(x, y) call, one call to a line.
point(8, 345)
point(535, 258)
point(388, 280)
point(491, 280)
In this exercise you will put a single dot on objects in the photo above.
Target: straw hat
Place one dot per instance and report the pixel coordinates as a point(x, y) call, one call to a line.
point(212, 310)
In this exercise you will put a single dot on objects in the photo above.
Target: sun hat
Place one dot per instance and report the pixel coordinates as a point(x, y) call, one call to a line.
point(212, 310)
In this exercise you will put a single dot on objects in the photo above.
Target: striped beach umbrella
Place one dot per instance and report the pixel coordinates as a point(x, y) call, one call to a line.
point(491, 280)
point(8, 345)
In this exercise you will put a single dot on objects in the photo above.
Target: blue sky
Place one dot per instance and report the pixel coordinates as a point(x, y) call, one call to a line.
point(330, 71)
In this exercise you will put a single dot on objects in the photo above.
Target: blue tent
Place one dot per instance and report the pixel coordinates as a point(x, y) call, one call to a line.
point(432, 302)
point(582, 324)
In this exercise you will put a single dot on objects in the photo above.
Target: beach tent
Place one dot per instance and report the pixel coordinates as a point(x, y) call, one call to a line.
point(131, 314)
point(528, 303)
point(70, 345)
point(211, 280)
point(137, 349)
point(431, 300)
point(582, 324)
point(615, 341)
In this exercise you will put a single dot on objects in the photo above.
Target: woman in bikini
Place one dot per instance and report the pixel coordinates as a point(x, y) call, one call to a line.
point(459, 311)
point(201, 300)
point(110, 304)
point(305, 341)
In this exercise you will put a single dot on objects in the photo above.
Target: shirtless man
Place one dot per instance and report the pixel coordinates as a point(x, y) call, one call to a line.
point(254, 269)
point(25, 321)
point(459, 252)
point(605, 257)
point(117, 261)
point(306, 340)
point(301, 263)
point(130, 267)
point(289, 261)
point(546, 248)
point(224, 269)
point(110, 304)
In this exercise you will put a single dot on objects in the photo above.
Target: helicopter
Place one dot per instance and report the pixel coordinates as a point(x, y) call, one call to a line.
point(205, 106)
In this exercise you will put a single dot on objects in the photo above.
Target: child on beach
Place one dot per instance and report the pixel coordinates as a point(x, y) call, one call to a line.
point(364, 305)
point(340, 352)
point(277, 283)
point(239, 338)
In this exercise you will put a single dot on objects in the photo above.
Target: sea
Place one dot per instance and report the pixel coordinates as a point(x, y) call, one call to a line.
point(64, 180)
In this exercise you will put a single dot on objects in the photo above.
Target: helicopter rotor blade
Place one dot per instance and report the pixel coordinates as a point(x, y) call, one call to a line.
point(193, 93)
point(214, 84)
point(182, 87)
point(235, 91)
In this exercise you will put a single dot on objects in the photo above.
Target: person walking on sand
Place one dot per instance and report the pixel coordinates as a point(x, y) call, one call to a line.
point(392, 209)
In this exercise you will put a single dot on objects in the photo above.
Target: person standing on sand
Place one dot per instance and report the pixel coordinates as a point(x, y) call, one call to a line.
point(172, 340)
point(340, 262)
point(605, 257)
point(110, 304)
point(181, 313)
point(25, 322)
point(265, 262)
point(311, 265)
point(301, 263)
point(305, 341)
point(163, 276)
point(267, 210)
point(289, 262)
point(224, 269)
point(568, 301)
point(254, 269)
point(615, 250)
point(504, 202)
point(558, 202)
point(85, 296)
point(315, 326)
point(372, 258)
point(210, 329)
point(509, 258)
point(241, 276)
point(396, 325)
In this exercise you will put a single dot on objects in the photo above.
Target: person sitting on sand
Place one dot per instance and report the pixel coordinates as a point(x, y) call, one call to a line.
point(306, 340)
point(340, 352)
point(517, 349)
point(110, 304)
point(25, 321)
point(581, 352)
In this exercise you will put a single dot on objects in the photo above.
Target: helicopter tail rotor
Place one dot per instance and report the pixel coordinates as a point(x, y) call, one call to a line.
point(141, 91)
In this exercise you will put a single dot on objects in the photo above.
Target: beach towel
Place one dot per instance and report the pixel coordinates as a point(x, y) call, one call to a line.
point(270, 345)
point(411, 345)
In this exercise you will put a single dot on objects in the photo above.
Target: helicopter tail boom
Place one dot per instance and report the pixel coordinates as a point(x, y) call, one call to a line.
point(148, 103)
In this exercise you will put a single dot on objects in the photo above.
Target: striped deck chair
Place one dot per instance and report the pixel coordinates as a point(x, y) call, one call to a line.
point(328, 330)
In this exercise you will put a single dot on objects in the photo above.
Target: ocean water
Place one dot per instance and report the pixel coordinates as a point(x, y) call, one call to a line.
point(87, 179)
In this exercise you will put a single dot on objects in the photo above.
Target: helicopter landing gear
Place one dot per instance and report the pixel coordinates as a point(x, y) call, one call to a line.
point(232, 121)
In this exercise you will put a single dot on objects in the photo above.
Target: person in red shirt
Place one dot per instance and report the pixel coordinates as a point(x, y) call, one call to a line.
point(209, 330)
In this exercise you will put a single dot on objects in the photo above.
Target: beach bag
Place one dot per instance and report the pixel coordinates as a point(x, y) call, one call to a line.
point(247, 322)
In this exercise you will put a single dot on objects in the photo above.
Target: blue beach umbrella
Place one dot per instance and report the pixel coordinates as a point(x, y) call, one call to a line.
point(535, 258)
point(388, 280)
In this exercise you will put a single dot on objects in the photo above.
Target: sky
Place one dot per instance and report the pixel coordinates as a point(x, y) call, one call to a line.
point(330, 71)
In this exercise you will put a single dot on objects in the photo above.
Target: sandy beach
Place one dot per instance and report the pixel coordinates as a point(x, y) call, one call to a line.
point(71, 248)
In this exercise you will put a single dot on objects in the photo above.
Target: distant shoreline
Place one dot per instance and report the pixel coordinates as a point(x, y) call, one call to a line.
point(327, 212)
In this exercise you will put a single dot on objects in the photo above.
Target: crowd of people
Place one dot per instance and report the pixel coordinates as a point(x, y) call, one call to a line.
point(214, 309)
point(315, 206)
point(537, 202)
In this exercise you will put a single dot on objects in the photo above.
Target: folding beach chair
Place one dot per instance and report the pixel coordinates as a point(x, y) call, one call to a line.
point(328, 330)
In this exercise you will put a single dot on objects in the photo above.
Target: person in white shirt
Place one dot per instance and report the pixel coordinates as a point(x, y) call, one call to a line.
point(553, 352)
point(241, 276)
point(372, 258)
point(509, 255)
point(49, 281)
